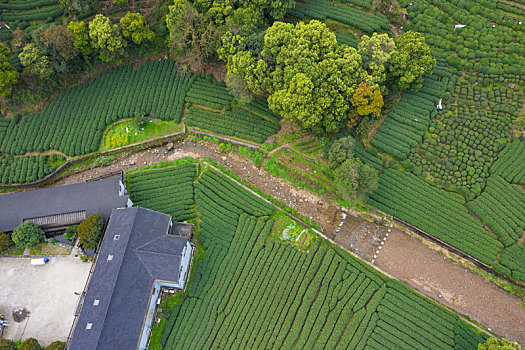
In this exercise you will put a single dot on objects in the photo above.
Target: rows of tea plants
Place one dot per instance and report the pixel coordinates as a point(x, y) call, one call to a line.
point(501, 206)
point(440, 213)
point(208, 92)
point(360, 19)
point(369, 156)
point(300, 171)
point(29, 10)
point(512, 262)
point(464, 139)
point(24, 169)
point(237, 122)
point(309, 146)
point(259, 106)
point(250, 291)
point(169, 190)
point(405, 126)
point(510, 163)
point(75, 121)
point(492, 42)
point(26, 4)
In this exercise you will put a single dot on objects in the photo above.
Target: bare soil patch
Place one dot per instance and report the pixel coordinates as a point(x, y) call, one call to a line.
point(453, 285)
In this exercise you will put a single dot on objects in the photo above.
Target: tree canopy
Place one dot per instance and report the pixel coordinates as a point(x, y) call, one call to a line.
point(193, 37)
point(60, 40)
point(352, 178)
point(28, 234)
point(8, 73)
point(355, 179)
point(56, 345)
point(90, 230)
point(29, 344)
point(375, 52)
point(5, 242)
point(309, 78)
point(244, 15)
point(106, 38)
point(367, 100)
point(411, 59)
point(82, 43)
point(135, 28)
point(36, 62)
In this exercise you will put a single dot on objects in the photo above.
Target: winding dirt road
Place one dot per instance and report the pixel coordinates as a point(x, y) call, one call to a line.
point(402, 256)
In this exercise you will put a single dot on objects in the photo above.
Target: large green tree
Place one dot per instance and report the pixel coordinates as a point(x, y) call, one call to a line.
point(60, 40)
point(193, 37)
point(410, 60)
point(28, 234)
point(340, 151)
point(90, 230)
point(135, 28)
point(106, 38)
point(375, 52)
point(308, 77)
point(82, 42)
point(8, 73)
point(36, 62)
point(354, 179)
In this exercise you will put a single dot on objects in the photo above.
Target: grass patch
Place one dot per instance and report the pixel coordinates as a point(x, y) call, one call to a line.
point(15, 251)
point(289, 231)
point(48, 249)
point(55, 161)
point(156, 333)
point(125, 132)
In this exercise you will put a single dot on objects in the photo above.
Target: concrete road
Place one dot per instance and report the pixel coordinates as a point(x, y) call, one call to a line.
point(46, 292)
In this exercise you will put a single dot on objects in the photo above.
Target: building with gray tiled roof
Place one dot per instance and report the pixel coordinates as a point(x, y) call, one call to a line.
point(58, 207)
point(141, 253)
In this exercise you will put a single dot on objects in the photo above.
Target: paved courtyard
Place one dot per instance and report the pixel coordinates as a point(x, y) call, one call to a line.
point(46, 292)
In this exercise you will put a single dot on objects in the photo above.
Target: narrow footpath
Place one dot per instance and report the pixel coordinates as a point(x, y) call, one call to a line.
point(394, 251)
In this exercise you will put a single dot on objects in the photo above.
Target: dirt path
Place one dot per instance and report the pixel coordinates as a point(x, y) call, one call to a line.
point(402, 256)
point(451, 284)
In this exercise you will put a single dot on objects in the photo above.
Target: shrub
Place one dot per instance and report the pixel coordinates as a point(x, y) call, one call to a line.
point(71, 231)
point(27, 234)
point(5, 242)
point(30, 344)
point(6, 344)
point(90, 230)
point(56, 345)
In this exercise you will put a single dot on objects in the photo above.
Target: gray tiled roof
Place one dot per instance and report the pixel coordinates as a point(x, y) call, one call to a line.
point(94, 197)
point(142, 254)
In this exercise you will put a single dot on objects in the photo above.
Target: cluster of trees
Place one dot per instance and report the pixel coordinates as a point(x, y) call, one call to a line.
point(324, 86)
point(196, 26)
point(30, 344)
point(60, 48)
point(353, 178)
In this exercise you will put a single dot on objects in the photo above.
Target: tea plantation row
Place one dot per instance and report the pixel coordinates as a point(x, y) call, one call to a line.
point(249, 291)
point(74, 122)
